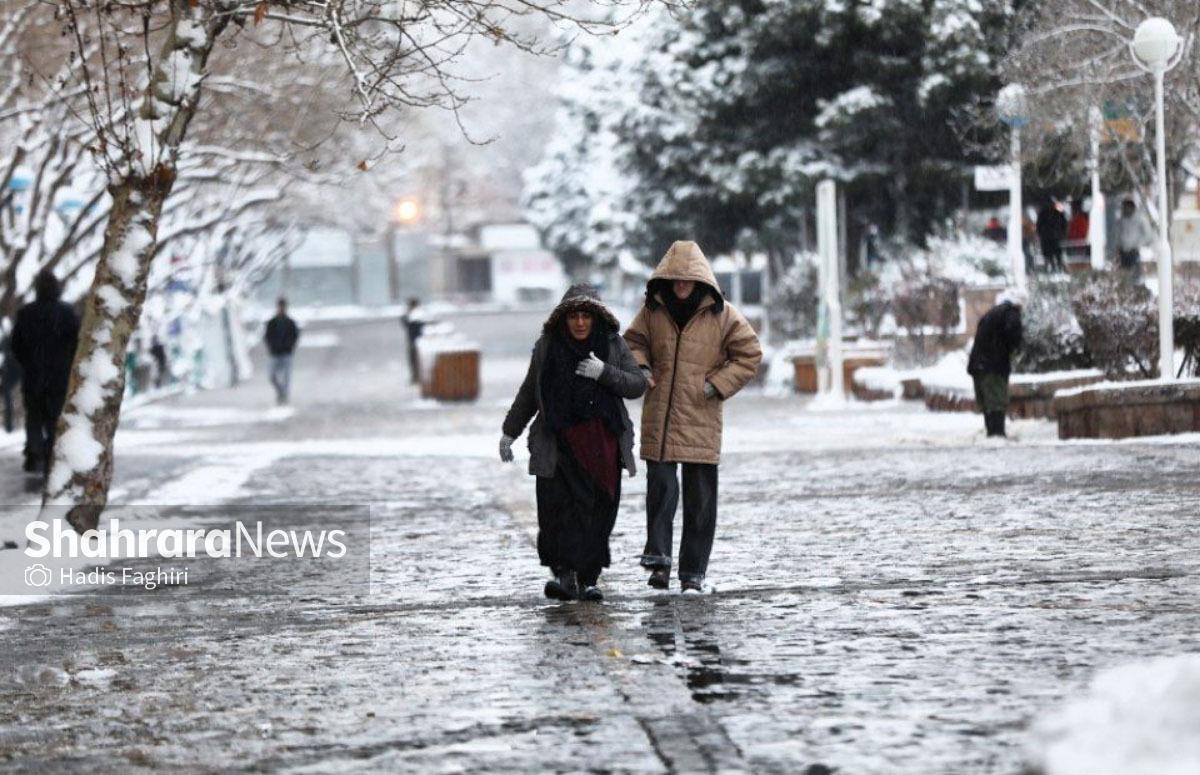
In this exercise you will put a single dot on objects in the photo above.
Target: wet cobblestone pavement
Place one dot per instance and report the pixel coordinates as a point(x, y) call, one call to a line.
point(885, 603)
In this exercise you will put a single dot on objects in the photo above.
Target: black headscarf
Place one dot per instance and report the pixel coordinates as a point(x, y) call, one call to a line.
point(568, 398)
point(682, 310)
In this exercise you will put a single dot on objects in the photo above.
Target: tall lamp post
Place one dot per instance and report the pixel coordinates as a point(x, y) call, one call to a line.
point(1012, 108)
point(1156, 48)
point(404, 213)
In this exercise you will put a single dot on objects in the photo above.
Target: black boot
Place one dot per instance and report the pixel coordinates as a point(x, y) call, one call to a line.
point(660, 578)
point(995, 424)
point(1000, 418)
point(591, 593)
point(564, 585)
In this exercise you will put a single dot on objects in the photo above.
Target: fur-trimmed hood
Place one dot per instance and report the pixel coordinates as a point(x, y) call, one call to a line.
point(684, 261)
point(582, 296)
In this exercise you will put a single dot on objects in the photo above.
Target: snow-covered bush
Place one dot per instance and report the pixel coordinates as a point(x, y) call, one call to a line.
point(1119, 320)
point(1053, 340)
point(925, 306)
point(963, 258)
point(923, 288)
point(794, 299)
point(867, 304)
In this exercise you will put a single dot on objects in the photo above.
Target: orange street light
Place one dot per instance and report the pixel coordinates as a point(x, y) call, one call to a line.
point(407, 210)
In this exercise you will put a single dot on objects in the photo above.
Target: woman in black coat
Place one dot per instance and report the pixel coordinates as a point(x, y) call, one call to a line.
point(581, 437)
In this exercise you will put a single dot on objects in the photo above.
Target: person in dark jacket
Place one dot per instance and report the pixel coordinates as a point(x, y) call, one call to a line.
point(159, 353)
point(1052, 230)
point(414, 325)
point(44, 338)
point(997, 337)
point(281, 338)
point(581, 438)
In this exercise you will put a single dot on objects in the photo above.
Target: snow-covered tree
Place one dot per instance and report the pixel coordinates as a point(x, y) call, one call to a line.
point(145, 84)
point(575, 194)
point(743, 106)
point(1073, 56)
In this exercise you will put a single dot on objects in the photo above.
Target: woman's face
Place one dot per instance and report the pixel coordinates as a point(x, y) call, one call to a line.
point(579, 323)
point(683, 288)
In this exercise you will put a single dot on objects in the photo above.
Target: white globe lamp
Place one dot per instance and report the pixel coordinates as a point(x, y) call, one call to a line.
point(1155, 43)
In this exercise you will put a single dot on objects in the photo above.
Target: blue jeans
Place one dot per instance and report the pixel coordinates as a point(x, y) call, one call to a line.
point(281, 376)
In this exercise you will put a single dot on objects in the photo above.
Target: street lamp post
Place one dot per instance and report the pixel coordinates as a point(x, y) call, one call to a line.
point(404, 213)
point(1012, 109)
point(1156, 48)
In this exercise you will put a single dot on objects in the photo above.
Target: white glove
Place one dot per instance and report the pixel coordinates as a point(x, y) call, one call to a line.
point(710, 392)
point(506, 453)
point(590, 367)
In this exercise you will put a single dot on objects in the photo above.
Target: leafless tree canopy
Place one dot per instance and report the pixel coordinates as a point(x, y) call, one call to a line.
point(1074, 58)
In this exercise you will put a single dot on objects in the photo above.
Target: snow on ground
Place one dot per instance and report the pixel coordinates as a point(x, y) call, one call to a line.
point(157, 416)
point(1141, 718)
point(948, 375)
point(896, 594)
point(319, 339)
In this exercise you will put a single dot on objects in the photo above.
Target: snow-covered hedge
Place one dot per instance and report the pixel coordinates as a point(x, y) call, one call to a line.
point(1119, 321)
point(961, 258)
point(1053, 339)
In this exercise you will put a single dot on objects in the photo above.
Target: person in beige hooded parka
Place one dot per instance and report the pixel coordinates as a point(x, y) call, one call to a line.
point(697, 351)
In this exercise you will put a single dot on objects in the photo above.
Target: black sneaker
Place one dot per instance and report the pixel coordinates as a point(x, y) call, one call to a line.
point(660, 578)
point(691, 586)
point(563, 586)
point(591, 594)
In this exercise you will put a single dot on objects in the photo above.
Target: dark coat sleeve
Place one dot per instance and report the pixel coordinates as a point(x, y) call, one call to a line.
point(621, 374)
point(524, 406)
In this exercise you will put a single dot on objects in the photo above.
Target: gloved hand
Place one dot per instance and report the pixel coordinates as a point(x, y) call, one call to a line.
point(590, 367)
point(710, 392)
point(506, 453)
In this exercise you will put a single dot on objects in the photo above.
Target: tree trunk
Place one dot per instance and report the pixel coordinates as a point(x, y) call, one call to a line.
point(81, 471)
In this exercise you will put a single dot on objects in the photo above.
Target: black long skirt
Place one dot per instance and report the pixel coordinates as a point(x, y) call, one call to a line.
point(575, 519)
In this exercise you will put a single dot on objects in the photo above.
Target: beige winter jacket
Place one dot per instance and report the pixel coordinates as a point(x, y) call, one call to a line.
point(717, 345)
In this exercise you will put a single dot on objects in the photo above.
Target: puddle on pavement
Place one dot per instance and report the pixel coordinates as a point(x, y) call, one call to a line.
point(681, 633)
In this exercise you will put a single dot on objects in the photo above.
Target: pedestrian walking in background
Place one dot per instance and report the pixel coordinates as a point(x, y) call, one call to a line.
point(698, 351)
point(10, 377)
point(44, 338)
point(414, 325)
point(281, 337)
point(1051, 230)
point(159, 354)
point(997, 337)
point(1131, 236)
point(581, 438)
